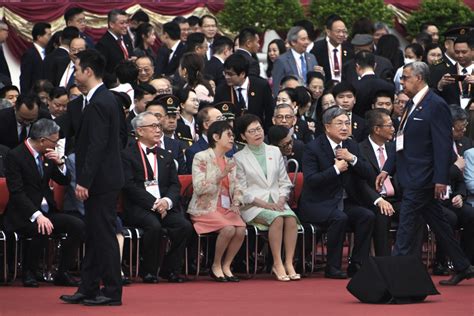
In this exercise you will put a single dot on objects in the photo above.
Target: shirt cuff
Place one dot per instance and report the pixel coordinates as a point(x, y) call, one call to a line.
point(354, 162)
point(337, 170)
point(170, 203)
point(35, 216)
point(377, 201)
point(63, 170)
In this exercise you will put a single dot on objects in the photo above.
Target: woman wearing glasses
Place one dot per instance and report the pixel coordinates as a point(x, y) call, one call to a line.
point(266, 187)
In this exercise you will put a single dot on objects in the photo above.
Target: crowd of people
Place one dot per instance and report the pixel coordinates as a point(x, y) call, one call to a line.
point(381, 135)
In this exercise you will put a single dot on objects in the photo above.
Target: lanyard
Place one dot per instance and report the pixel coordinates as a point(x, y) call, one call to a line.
point(32, 151)
point(406, 114)
point(144, 163)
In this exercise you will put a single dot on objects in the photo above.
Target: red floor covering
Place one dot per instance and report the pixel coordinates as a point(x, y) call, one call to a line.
point(262, 296)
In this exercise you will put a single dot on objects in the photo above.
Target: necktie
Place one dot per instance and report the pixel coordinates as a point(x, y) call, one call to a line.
point(465, 88)
point(336, 148)
point(39, 165)
point(122, 47)
point(151, 150)
point(241, 99)
point(389, 190)
point(23, 133)
point(337, 69)
point(85, 103)
point(304, 68)
point(405, 115)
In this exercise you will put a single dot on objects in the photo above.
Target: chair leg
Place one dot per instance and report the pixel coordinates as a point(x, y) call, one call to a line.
point(137, 255)
point(256, 251)
point(247, 263)
point(313, 247)
point(5, 261)
point(15, 263)
point(303, 253)
point(198, 257)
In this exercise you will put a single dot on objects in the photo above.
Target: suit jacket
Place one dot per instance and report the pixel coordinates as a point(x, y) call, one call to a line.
point(183, 133)
point(4, 69)
point(31, 68)
point(383, 70)
point(255, 184)
point(199, 146)
point(323, 187)
point(27, 188)
point(174, 147)
point(320, 51)
point(70, 122)
point(55, 64)
point(206, 171)
point(136, 197)
point(428, 146)
point(450, 92)
point(98, 145)
point(297, 154)
point(359, 128)
point(167, 67)
point(254, 65)
point(366, 88)
point(109, 47)
point(286, 65)
point(215, 68)
point(259, 96)
point(463, 144)
point(302, 131)
point(8, 127)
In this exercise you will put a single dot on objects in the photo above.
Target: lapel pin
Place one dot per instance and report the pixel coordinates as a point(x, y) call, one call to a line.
point(161, 156)
point(46, 164)
point(355, 125)
point(252, 94)
point(345, 53)
point(179, 134)
point(169, 151)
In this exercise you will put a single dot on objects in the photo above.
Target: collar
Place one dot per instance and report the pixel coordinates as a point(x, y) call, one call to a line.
point(173, 48)
point(296, 55)
point(220, 59)
point(331, 47)
point(65, 48)
point(143, 147)
point(162, 140)
point(33, 151)
point(417, 98)
point(310, 47)
point(205, 138)
point(332, 143)
point(244, 85)
point(92, 91)
point(367, 73)
point(470, 68)
point(375, 146)
point(40, 50)
point(450, 59)
point(244, 50)
point(189, 123)
point(113, 35)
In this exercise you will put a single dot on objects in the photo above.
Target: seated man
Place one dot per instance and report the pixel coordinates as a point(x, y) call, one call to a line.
point(280, 136)
point(151, 195)
point(31, 210)
point(385, 100)
point(333, 193)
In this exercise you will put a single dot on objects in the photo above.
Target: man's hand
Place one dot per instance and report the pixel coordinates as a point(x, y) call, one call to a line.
point(341, 165)
point(385, 207)
point(440, 191)
point(82, 193)
point(445, 80)
point(380, 180)
point(457, 201)
point(460, 163)
point(343, 153)
point(45, 227)
point(53, 155)
point(161, 206)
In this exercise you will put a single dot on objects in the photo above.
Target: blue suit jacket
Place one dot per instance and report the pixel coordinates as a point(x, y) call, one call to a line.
point(323, 187)
point(286, 65)
point(198, 146)
point(427, 156)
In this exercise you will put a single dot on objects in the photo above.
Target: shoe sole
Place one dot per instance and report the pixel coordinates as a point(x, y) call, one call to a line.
point(107, 304)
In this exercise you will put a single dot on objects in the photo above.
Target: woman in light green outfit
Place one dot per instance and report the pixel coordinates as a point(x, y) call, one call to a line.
point(266, 187)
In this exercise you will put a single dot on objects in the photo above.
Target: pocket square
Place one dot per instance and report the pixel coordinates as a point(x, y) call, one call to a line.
point(417, 119)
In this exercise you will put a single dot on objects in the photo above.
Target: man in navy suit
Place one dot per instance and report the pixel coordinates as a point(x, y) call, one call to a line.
point(423, 161)
point(333, 192)
point(296, 61)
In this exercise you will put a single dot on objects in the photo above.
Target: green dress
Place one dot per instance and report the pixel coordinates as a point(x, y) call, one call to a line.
point(266, 216)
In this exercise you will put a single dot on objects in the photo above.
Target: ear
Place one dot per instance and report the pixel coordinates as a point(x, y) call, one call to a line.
point(242, 136)
point(216, 137)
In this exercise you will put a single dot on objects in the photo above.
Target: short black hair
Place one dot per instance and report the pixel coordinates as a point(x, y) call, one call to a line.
point(374, 118)
point(365, 59)
point(244, 121)
point(457, 113)
point(207, 16)
point(142, 89)
point(383, 93)
point(331, 19)
point(112, 15)
point(68, 34)
point(303, 96)
point(173, 30)
point(5, 89)
point(180, 20)
point(42, 85)
point(288, 78)
point(312, 75)
point(238, 63)
point(246, 34)
point(126, 71)
point(194, 20)
point(220, 44)
point(30, 100)
point(424, 26)
point(464, 39)
point(416, 48)
point(71, 12)
point(276, 133)
point(57, 92)
point(291, 93)
point(182, 94)
point(39, 29)
point(140, 16)
point(94, 60)
point(217, 127)
point(341, 87)
point(194, 40)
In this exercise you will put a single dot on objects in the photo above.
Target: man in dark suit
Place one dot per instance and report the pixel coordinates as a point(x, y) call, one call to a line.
point(99, 181)
point(31, 67)
point(250, 94)
point(63, 76)
point(71, 121)
point(460, 122)
point(114, 45)
point(284, 115)
point(58, 60)
point(333, 195)
point(170, 53)
point(332, 52)
point(368, 84)
point(143, 93)
point(221, 49)
point(280, 136)
point(31, 209)
point(17, 120)
point(383, 67)
point(75, 16)
point(424, 158)
point(4, 69)
point(208, 26)
point(151, 196)
point(248, 48)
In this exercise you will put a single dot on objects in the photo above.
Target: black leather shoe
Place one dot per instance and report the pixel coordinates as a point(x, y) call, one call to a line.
point(175, 278)
point(126, 280)
point(29, 280)
point(65, 279)
point(76, 298)
point(150, 278)
point(459, 276)
point(101, 301)
point(215, 277)
point(334, 273)
point(440, 269)
point(231, 278)
point(352, 269)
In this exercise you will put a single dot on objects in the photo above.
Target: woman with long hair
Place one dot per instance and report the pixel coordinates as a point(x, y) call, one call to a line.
point(191, 67)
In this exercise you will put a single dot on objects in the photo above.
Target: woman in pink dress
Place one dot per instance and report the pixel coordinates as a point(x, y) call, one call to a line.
point(215, 205)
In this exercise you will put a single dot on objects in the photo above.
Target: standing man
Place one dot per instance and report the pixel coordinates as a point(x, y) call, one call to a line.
point(99, 180)
point(171, 51)
point(248, 47)
point(4, 70)
point(208, 25)
point(424, 157)
point(221, 50)
point(75, 17)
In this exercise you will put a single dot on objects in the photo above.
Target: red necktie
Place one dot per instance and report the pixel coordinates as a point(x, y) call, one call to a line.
point(336, 63)
point(122, 47)
point(389, 190)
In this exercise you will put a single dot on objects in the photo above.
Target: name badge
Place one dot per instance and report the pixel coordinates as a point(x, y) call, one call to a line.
point(399, 142)
point(153, 188)
point(225, 201)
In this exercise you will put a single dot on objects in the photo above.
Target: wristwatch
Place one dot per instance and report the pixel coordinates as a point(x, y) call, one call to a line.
point(354, 158)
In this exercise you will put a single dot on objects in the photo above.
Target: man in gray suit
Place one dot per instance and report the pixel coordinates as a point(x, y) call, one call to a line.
point(296, 61)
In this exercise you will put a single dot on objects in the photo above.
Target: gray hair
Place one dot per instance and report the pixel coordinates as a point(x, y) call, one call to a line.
point(43, 128)
point(282, 106)
point(137, 121)
point(380, 26)
point(419, 68)
point(4, 104)
point(114, 13)
point(457, 113)
point(331, 113)
point(292, 35)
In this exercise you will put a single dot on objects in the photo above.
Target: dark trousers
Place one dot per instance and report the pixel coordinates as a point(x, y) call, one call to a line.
point(360, 220)
point(179, 230)
point(62, 223)
point(421, 202)
point(102, 259)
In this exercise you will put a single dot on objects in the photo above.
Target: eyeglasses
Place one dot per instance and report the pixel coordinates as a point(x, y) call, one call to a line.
point(254, 131)
point(288, 144)
point(386, 125)
point(403, 77)
point(164, 91)
point(154, 126)
point(221, 118)
point(229, 73)
point(341, 124)
point(55, 142)
point(286, 117)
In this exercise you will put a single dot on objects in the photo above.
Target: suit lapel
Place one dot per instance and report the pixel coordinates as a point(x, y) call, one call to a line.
point(254, 164)
point(370, 154)
point(292, 63)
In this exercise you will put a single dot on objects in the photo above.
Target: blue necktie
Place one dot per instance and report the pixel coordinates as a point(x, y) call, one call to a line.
point(304, 69)
point(39, 164)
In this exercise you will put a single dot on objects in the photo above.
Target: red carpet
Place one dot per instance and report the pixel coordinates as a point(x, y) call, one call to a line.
point(261, 296)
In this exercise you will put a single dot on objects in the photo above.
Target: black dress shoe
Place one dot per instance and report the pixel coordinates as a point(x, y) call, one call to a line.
point(65, 279)
point(29, 280)
point(126, 280)
point(459, 276)
point(334, 273)
point(101, 301)
point(440, 269)
point(215, 277)
point(231, 278)
point(76, 298)
point(150, 278)
point(175, 278)
point(352, 269)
